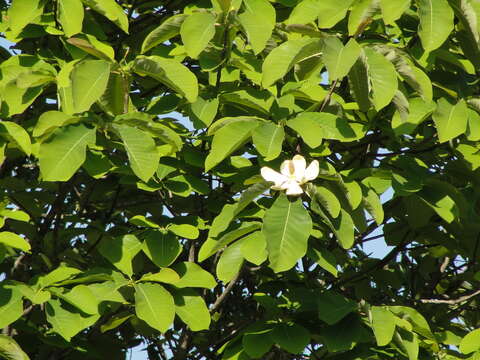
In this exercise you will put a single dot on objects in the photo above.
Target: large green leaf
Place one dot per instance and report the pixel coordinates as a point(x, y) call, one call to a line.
point(11, 305)
point(393, 9)
point(331, 12)
point(450, 120)
point(169, 72)
point(111, 10)
point(383, 78)
point(343, 229)
point(254, 248)
point(67, 323)
point(142, 152)
point(307, 126)
point(230, 262)
point(55, 276)
point(268, 139)
point(291, 337)
point(120, 251)
point(63, 154)
point(89, 80)
point(70, 16)
point(281, 59)
point(418, 111)
point(333, 307)
point(21, 13)
point(325, 259)
point(470, 342)
point(10, 350)
point(192, 275)
point(339, 59)
point(196, 31)
point(286, 227)
point(258, 20)
point(13, 240)
point(304, 12)
point(436, 23)
point(361, 14)
point(191, 308)
point(359, 82)
point(228, 139)
point(154, 305)
point(373, 205)
point(17, 134)
point(165, 31)
point(83, 298)
point(162, 248)
point(383, 324)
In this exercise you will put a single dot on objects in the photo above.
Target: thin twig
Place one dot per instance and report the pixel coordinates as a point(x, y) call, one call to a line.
point(451, 301)
point(221, 298)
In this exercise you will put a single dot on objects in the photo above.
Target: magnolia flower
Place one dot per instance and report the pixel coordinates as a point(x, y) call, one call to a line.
point(293, 173)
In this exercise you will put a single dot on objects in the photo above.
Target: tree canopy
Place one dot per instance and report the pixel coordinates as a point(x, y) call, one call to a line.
point(133, 140)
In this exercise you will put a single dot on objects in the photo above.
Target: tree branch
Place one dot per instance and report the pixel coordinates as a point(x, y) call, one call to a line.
point(451, 301)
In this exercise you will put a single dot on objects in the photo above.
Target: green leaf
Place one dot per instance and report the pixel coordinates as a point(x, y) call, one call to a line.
point(165, 31)
point(343, 229)
point(230, 262)
point(186, 231)
point(393, 9)
point(325, 259)
point(51, 120)
point(192, 275)
point(115, 99)
point(154, 305)
point(254, 248)
point(92, 46)
point(268, 139)
point(291, 337)
point(304, 12)
point(191, 308)
point(13, 240)
point(383, 78)
point(470, 342)
point(333, 307)
point(70, 16)
point(228, 139)
point(450, 120)
point(308, 127)
point(418, 111)
point(67, 323)
point(89, 80)
point(11, 305)
point(409, 342)
point(286, 227)
point(436, 23)
point(161, 248)
point(120, 251)
point(203, 112)
point(281, 59)
point(59, 274)
point(196, 31)
point(420, 325)
point(111, 10)
point(83, 298)
point(359, 82)
point(339, 59)
point(328, 200)
point(165, 275)
point(10, 350)
point(169, 72)
point(258, 20)
point(63, 154)
point(21, 13)
point(142, 152)
point(383, 324)
point(331, 12)
point(361, 14)
point(257, 343)
point(212, 245)
point(17, 134)
point(373, 205)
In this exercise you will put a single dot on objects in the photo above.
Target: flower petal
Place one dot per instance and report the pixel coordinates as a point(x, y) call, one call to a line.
point(312, 171)
point(272, 176)
point(294, 189)
point(299, 164)
point(287, 168)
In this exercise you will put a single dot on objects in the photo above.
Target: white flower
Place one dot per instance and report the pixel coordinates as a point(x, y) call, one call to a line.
point(293, 173)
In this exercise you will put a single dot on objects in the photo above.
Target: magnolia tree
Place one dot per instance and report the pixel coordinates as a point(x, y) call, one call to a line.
point(201, 178)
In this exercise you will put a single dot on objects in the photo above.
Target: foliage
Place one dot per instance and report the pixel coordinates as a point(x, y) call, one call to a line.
point(132, 208)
